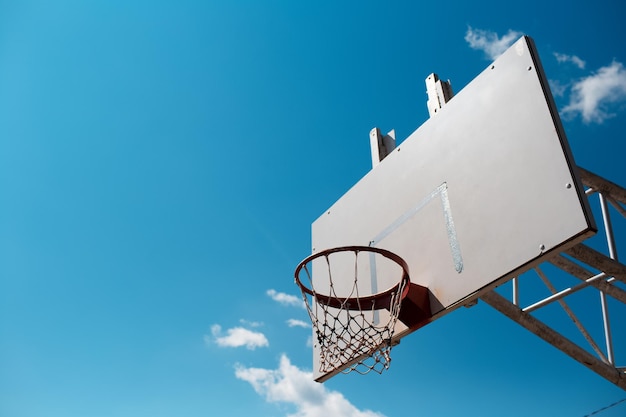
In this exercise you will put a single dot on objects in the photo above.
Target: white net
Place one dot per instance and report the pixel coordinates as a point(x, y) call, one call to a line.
point(353, 326)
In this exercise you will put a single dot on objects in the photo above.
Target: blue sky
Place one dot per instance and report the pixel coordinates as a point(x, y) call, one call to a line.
point(161, 163)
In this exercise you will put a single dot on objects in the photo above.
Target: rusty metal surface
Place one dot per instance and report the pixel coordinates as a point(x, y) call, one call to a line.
point(581, 273)
point(537, 327)
point(591, 256)
point(602, 185)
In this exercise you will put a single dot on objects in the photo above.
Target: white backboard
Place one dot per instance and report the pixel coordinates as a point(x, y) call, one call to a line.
point(476, 195)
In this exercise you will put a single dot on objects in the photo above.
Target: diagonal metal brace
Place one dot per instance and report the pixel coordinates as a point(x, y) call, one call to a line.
point(598, 260)
point(607, 371)
point(602, 185)
point(583, 274)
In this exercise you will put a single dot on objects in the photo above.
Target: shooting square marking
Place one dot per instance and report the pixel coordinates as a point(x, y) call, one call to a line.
point(455, 248)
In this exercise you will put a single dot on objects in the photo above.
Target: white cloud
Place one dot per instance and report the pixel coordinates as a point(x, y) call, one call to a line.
point(237, 337)
point(557, 87)
point(285, 299)
point(561, 58)
point(288, 384)
point(489, 42)
point(251, 323)
point(592, 96)
point(297, 323)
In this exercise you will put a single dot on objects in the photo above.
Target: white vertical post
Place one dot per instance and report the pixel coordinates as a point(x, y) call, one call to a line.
point(439, 93)
point(613, 255)
point(381, 145)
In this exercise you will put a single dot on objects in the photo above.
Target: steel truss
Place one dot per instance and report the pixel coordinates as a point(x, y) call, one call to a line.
point(594, 271)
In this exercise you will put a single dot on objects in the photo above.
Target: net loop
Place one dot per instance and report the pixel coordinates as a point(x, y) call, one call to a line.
point(353, 328)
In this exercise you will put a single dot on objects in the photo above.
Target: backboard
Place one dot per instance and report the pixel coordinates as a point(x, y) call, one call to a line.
point(476, 195)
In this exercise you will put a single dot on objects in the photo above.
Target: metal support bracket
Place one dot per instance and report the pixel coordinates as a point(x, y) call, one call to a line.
point(594, 271)
point(439, 93)
point(381, 145)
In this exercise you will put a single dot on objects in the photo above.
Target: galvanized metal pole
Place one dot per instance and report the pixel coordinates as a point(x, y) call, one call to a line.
point(613, 255)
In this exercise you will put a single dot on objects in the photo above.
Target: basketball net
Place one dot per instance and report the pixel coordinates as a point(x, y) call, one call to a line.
point(352, 332)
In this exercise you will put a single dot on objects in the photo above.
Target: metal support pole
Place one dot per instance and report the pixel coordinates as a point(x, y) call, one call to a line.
point(609, 272)
point(608, 228)
point(561, 294)
point(613, 255)
point(607, 371)
point(572, 316)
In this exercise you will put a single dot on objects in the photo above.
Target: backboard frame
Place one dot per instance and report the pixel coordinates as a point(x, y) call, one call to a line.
point(478, 194)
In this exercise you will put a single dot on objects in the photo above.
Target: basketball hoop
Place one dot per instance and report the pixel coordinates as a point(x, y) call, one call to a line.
point(353, 326)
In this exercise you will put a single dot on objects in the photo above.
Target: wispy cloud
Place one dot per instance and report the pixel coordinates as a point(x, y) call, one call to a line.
point(251, 323)
point(237, 337)
point(557, 87)
point(489, 42)
point(297, 323)
point(290, 385)
point(593, 96)
point(285, 299)
point(572, 59)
